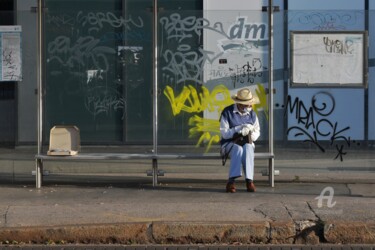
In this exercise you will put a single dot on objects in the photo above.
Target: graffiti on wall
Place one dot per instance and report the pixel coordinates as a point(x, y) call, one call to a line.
point(10, 53)
point(95, 21)
point(248, 73)
point(314, 118)
point(207, 130)
point(186, 64)
point(242, 44)
point(185, 61)
point(84, 54)
point(313, 123)
point(84, 49)
point(325, 20)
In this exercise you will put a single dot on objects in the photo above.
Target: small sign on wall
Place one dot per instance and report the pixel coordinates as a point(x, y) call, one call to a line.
point(222, 61)
point(11, 58)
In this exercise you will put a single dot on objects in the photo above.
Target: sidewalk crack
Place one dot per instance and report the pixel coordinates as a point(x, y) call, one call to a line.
point(289, 212)
point(150, 233)
point(320, 224)
point(312, 210)
point(261, 212)
point(5, 216)
point(349, 190)
point(296, 224)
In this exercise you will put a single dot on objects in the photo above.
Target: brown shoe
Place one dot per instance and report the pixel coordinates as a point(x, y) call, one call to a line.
point(250, 187)
point(230, 188)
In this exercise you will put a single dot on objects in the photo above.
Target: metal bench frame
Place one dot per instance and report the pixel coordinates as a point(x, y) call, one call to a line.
point(39, 158)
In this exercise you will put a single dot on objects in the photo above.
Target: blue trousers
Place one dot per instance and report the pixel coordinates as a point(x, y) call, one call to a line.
point(241, 158)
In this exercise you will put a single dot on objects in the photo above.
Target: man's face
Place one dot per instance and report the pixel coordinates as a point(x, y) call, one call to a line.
point(242, 107)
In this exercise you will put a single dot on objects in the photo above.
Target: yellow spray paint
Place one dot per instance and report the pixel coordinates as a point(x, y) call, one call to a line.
point(191, 102)
point(208, 130)
point(262, 95)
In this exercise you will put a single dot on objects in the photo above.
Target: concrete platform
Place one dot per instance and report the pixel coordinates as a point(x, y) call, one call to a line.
point(128, 210)
point(313, 203)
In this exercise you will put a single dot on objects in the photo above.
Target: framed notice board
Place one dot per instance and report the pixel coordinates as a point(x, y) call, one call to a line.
point(328, 59)
point(11, 53)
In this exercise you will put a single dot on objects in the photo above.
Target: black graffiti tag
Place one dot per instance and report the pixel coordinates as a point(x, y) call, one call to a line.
point(247, 73)
point(322, 106)
point(337, 46)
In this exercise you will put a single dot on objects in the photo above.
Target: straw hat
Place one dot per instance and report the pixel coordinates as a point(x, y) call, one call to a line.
point(244, 96)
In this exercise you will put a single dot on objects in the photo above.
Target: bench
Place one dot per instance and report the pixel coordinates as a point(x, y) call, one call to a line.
point(153, 157)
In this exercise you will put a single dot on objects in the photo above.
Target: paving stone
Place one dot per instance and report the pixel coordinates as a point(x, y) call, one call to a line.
point(282, 232)
point(349, 233)
point(121, 233)
point(184, 233)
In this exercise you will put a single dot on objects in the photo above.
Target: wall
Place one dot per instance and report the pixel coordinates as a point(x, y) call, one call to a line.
point(326, 119)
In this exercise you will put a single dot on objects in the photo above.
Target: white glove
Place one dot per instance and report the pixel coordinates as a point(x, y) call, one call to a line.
point(245, 131)
point(238, 128)
point(250, 127)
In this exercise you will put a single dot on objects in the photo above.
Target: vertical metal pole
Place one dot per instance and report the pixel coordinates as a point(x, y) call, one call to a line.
point(40, 90)
point(286, 67)
point(155, 78)
point(39, 173)
point(39, 74)
point(366, 109)
point(270, 94)
point(154, 172)
point(155, 94)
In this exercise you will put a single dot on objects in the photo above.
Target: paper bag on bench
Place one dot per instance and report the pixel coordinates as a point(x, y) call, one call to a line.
point(64, 140)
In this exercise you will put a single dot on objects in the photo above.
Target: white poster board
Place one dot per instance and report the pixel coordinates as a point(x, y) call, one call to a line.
point(328, 59)
point(10, 48)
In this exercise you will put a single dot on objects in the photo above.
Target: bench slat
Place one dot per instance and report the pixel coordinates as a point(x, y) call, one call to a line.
point(95, 156)
point(207, 156)
point(124, 156)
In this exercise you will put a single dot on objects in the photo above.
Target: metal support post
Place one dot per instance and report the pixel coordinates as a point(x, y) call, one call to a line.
point(39, 173)
point(39, 164)
point(271, 172)
point(155, 78)
point(270, 94)
point(40, 74)
point(154, 172)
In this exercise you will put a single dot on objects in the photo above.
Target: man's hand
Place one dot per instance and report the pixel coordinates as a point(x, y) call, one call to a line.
point(250, 127)
point(245, 131)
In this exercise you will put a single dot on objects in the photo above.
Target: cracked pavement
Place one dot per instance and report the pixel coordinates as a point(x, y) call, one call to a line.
point(188, 211)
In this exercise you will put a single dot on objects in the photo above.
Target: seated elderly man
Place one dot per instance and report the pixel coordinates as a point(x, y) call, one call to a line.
point(239, 128)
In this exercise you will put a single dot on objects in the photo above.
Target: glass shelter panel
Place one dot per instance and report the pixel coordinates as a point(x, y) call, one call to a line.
point(99, 69)
point(204, 59)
